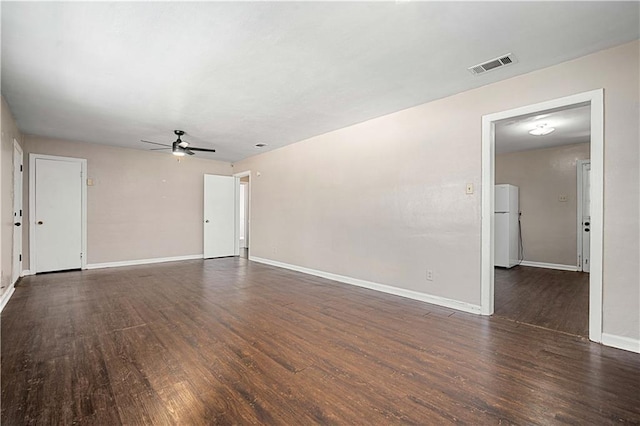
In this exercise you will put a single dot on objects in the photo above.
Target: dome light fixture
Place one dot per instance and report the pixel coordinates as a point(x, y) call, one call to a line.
point(541, 130)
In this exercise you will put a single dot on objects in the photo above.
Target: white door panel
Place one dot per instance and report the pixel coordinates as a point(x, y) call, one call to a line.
point(58, 215)
point(220, 218)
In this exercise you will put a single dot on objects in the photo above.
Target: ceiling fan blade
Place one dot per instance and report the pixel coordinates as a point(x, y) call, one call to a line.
point(188, 151)
point(159, 149)
point(155, 143)
point(202, 149)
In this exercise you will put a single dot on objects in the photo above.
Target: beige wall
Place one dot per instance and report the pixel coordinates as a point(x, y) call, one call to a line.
point(9, 133)
point(142, 205)
point(549, 226)
point(385, 199)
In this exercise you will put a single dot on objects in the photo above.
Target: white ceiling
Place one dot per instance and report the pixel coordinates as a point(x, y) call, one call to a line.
point(235, 74)
point(572, 125)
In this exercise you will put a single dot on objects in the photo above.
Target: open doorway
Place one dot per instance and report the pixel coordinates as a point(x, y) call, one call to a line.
point(594, 101)
point(18, 221)
point(244, 218)
point(540, 252)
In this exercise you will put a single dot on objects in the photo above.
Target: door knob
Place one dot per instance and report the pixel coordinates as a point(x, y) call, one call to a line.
point(206, 221)
point(586, 224)
point(17, 224)
point(586, 230)
point(40, 222)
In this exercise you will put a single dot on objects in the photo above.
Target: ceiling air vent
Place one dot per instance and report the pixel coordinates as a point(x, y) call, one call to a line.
point(498, 62)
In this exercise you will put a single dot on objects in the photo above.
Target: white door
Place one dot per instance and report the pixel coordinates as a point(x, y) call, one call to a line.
point(18, 222)
point(220, 217)
point(57, 218)
point(585, 220)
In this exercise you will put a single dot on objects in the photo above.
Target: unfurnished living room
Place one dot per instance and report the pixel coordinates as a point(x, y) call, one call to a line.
point(295, 213)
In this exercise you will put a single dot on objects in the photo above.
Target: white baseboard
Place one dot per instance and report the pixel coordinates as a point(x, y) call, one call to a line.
point(557, 266)
point(410, 294)
point(142, 261)
point(621, 342)
point(6, 296)
point(26, 273)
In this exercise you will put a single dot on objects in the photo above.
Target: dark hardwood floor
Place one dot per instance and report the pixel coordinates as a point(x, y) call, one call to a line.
point(228, 341)
point(548, 298)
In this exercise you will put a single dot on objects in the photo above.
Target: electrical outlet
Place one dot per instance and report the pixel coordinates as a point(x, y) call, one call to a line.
point(563, 198)
point(429, 275)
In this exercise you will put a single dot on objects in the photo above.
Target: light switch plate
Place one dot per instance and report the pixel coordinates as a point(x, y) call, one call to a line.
point(469, 188)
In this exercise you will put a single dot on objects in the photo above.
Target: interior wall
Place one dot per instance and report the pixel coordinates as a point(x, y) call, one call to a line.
point(385, 200)
point(142, 204)
point(9, 132)
point(549, 226)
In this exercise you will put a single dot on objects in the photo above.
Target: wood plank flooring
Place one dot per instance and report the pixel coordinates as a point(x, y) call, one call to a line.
point(548, 298)
point(229, 341)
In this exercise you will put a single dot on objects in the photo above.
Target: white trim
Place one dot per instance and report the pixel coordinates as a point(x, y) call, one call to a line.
point(6, 296)
point(26, 273)
point(558, 266)
point(596, 99)
point(32, 203)
point(410, 294)
point(621, 342)
point(142, 261)
point(579, 208)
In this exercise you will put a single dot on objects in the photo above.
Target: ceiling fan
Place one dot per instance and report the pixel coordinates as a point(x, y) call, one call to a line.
point(179, 147)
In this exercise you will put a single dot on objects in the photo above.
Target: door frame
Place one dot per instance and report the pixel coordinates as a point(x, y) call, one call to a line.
point(238, 176)
point(17, 189)
point(579, 211)
point(32, 201)
point(595, 99)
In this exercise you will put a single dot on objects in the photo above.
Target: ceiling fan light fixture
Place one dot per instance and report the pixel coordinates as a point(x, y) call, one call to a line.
point(180, 148)
point(541, 130)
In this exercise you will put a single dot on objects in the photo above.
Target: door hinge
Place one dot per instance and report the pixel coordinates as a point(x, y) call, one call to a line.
point(20, 212)
point(20, 258)
point(20, 167)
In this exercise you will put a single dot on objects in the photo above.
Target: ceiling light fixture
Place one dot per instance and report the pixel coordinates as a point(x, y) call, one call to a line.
point(541, 130)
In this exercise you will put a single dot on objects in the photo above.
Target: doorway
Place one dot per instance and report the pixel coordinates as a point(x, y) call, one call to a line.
point(244, 213)
point(17, 212)
point(583, 218)
point(57, 213)
point(594, 100)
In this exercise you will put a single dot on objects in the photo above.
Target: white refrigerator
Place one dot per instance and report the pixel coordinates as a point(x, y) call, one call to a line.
point(506, 229)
